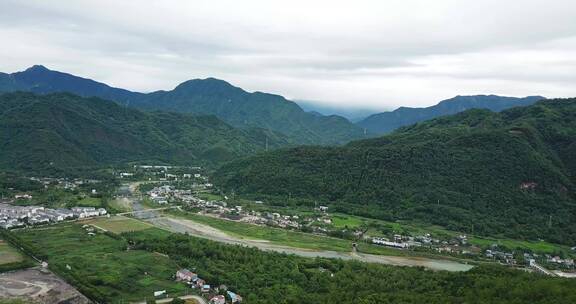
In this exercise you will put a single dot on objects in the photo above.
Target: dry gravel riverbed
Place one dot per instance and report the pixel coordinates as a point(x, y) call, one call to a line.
point(205, 231)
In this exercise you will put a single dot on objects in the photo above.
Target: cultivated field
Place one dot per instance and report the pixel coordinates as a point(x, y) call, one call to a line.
point(105, 263)
point(9, 254)
point(118, 224)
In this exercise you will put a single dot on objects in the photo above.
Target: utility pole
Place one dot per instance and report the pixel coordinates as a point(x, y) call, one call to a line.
point(550, 222)
point(266, 143)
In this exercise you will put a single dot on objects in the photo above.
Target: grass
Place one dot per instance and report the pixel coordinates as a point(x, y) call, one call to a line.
point(118, 224)
point(210, 196)
point(284, 237)
point(343, 221)
point(90, 202)
point(9, 254)
point(535, 246)
point(103, 263)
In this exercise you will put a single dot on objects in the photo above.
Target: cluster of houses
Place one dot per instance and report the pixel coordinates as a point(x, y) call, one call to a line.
point(273, 219)
point(551, 261)
point(214, 294)
point(20, 216)
point(164, 173)
point(457, 245)
point(63, 183)
point(221, 299)
point(166, 193)
point(504, 257)
point(386, 242)
point(406, 241)
point(160, 195)
point(568, 262)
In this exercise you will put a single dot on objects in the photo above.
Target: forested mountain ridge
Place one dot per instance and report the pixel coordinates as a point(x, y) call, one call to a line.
point(387, 122)
point(202, 97)
point(64, 130)
point(244, 109)
point(38, 79)
point(511, 173)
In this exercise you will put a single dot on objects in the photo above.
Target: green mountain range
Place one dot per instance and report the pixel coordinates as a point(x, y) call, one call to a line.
point(63, 130)
point(199, 96)
point(511, 173)
point(387, 122)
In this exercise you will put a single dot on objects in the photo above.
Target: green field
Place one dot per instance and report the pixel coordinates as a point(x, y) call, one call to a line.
point(535, 246)
point(376, 228)
point(102, 263)
point(9, 254)
point(118, 224)
point(343, 221)
point(210, 196)
point(90, 202)
point(284, 237)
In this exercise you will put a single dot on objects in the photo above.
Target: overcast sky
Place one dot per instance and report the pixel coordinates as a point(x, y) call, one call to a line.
point(354, 54)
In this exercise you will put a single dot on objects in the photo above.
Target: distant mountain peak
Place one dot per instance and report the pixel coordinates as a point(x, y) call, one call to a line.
point(37, 68)
point(210, 83)
point(41, 80)
point(389, 121)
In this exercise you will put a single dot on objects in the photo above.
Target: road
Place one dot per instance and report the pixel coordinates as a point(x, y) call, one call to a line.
point(151, 211)
point(200, 300)
point(543, 270)
point(204, 231)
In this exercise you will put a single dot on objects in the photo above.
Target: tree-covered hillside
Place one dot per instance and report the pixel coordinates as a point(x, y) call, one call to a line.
point(245, 109)
point(511, 173)
point(64, 130)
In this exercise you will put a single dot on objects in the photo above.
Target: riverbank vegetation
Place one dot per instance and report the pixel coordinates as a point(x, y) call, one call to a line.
point(265, 277)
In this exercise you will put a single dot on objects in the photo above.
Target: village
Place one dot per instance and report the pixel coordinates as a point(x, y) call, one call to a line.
point(21, 216)
point(321, 222)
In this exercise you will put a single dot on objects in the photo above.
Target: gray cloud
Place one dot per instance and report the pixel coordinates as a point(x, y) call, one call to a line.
point(366, 54)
